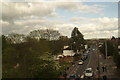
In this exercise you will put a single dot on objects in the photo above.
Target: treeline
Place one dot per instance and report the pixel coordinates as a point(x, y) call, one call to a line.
point(31, 59)
point(112, 50)
point(33, 56)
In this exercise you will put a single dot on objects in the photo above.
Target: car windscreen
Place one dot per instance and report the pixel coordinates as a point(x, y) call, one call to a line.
point(88, 71)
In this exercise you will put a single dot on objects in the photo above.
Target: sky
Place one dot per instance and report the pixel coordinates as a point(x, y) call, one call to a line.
point(93, 19)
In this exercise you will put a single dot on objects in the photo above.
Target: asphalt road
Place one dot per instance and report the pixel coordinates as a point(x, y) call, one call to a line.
point(90, 62)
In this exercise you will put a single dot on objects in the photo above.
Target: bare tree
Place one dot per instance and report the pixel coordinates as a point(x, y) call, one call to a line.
point(48, 34)
point(15, 38)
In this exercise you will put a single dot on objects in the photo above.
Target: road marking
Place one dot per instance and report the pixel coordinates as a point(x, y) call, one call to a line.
point(73, 70)
point(82, 76)
point(89, 61)
point(77, 66)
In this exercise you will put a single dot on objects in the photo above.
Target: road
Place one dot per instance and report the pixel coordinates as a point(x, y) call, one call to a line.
point(90, 62)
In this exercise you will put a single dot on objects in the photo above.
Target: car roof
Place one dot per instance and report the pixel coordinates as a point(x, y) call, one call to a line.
point(89, 69)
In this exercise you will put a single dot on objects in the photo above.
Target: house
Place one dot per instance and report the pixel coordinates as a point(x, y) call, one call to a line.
point(68, 53)
point(68, 56)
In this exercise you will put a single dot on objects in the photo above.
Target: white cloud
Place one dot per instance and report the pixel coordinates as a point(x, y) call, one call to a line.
point(4, 23)
point(24, 17)
point(13, 11)
point(79, 7)
point(101, 24)
point(101, 27)
point(95, 27)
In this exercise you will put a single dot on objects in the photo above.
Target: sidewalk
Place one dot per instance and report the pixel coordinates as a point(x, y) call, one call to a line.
point(110, 67)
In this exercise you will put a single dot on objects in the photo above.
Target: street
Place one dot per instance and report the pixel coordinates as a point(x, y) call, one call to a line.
point(93, 61)
point(90, 62)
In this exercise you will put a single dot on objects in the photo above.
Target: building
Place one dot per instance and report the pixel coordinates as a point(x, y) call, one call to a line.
point(66, 56)
point(68, 53)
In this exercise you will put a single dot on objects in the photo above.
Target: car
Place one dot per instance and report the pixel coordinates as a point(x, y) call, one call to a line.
point(83, 58)
point(85, 55)
point(87, 51)
point(80, 62)
point(73, 76)
point(88, 72)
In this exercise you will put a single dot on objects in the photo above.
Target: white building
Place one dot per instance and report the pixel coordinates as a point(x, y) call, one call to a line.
point(68, 53)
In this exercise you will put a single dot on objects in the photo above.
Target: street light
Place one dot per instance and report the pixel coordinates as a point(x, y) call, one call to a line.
point(98, 68)
point(106, 50)
point(106, 53)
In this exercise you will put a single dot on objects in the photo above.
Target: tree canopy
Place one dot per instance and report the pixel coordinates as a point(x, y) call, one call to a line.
point(77, 39)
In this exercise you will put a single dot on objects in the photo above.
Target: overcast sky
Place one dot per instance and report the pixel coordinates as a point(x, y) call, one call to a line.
point(93, 19)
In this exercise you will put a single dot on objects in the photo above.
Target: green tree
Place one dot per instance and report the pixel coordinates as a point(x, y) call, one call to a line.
point(5, 44)
point(31, 59)
point(110, 48)
point(116, 57)
point(77, 39)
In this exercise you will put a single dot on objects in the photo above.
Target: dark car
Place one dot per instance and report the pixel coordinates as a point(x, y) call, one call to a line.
point(83, 58)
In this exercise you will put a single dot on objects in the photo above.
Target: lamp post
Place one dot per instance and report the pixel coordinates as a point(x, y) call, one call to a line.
point(97, 45)
point(98, 62)
point(106, 52)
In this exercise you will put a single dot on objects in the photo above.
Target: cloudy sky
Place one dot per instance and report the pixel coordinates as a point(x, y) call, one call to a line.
point(94, 19)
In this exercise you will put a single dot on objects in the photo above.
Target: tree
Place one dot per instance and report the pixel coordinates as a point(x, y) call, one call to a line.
point(30, 59)
point(110, 48)
point(48, 34)
point(16, 38)
point(32, 56)
point(116, 57)
point(4, 43)
point(77, 39)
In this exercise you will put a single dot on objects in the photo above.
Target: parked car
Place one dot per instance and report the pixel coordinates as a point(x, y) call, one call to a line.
point(85, 55)
point(88, 72)
point(80, 62)
point(73, 76)
point(83, 58)
point(87, 51)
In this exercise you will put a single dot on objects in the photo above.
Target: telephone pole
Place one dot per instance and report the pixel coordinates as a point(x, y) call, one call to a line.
point(106, 51)
point(98, 62)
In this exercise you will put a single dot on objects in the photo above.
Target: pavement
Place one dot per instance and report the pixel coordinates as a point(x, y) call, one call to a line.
point(110, 66)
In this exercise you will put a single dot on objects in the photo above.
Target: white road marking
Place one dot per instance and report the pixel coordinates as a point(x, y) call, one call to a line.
point(73, 70)
point(82, 76)
point(89, 61)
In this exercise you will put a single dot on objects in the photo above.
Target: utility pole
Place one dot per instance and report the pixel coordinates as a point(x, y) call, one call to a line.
point(106, 54)
point(98, 62)
point(97, 45)
point(106, 50)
